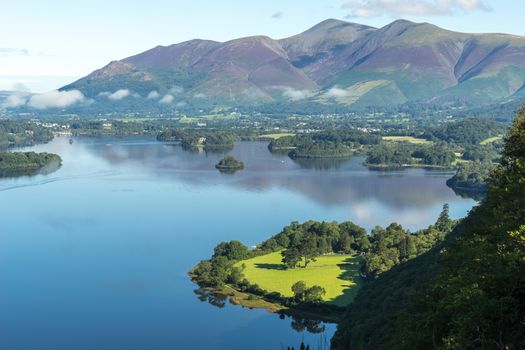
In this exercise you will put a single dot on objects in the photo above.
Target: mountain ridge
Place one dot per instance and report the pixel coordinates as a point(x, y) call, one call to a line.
point(333, 62)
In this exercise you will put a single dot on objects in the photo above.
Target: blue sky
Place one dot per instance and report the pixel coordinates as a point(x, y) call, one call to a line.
point(47, 44)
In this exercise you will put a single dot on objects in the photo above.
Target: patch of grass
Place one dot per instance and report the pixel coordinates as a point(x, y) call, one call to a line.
point(275, 136)
point(337, 274)
point(491, 140)
point(409, 139)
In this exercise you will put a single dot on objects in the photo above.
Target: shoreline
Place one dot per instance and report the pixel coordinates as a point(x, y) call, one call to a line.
point(405, 166)
point(254, 301)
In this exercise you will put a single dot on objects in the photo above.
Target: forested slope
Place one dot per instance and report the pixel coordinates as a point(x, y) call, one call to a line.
point(466, 293)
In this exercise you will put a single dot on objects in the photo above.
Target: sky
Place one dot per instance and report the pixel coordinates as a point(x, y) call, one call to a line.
point(47, 44)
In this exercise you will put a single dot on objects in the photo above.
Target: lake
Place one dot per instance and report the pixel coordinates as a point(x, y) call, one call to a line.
point(95, 255)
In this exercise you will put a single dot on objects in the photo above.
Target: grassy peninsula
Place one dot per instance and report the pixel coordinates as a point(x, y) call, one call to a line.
point(313, 267)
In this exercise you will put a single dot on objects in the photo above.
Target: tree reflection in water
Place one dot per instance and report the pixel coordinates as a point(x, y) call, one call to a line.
point(299, 324)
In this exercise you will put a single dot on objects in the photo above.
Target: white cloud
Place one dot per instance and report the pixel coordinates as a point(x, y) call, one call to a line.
point(336, 92)
point(277, 15)
point(56, 99)
point(153, 95)
point(15, 100)
point(175, 90)
point(294, 94)
point(18, 86)
point(396, 8)
point(119, 94)
point(199, 95)
point(167, 99)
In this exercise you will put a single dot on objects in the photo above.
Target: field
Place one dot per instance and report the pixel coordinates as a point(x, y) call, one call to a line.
point(337, 274)
point(409, 139)
point(490, 140)
point(275, 136)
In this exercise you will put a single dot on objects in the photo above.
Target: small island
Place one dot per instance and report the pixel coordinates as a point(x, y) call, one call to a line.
point(27, 163)
point(229, 164)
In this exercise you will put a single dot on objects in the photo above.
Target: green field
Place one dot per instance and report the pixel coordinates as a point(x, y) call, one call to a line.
point(337, 274)
point(491, 140)
point(275, 136)
point(409, 139)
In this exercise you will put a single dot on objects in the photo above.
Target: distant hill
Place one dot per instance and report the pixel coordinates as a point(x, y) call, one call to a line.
point(332, 63)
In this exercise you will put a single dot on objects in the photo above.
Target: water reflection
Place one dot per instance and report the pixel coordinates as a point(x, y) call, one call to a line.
point(298, 323)
point(48, 169)
point(337, 181)
point(321, 163)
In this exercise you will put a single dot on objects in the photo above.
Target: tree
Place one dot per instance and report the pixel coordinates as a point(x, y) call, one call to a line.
point(291, 257)
point(233, 250)
point(308, 249)
point(298, 289)
point(220, 270)
point(314, 294)
point(443, 223)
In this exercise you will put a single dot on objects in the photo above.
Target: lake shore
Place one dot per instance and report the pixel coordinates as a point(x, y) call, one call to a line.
point(253, 301)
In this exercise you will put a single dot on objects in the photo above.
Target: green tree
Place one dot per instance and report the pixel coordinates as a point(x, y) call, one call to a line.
point(308, 249)
point(291, 257)
point(298, 290)
point(444, 223)
point(314, 294)
point(233, 250)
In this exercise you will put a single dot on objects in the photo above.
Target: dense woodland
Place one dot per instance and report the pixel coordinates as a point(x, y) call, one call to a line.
point(396, 154)
point(466, 131)
point(19, 134)
point(473, 176)
point(26, 163)
point(193, 139)
point(332, 143)
point(468, 292)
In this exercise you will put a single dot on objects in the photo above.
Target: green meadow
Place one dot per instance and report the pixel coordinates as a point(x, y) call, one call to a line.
point(337, 274)
point(491, 140)
point(275, 136)
point(409, 139)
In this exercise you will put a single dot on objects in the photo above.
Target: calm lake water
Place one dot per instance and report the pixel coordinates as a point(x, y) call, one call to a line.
point(95, 255)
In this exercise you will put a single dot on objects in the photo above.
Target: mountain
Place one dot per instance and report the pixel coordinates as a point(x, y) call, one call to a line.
point(334, 62)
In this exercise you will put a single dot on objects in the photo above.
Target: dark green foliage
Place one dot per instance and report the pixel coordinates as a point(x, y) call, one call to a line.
point(298, 289)
point(466, 131)
point(219, 269)
point(471, 177)
point(210, 140)
point(233, 250)
point(481, 153)
point(26, 163)
point(322, 149)
point(393, 154)
point(303, 294)
point(469, 291)
point(332, 143)
point(229, 163)
point(291, 257)
point(402, 154)
point(17, 134)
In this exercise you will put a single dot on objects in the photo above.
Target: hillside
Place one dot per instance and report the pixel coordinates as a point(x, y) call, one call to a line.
point(334, 62)
point(466, 293)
